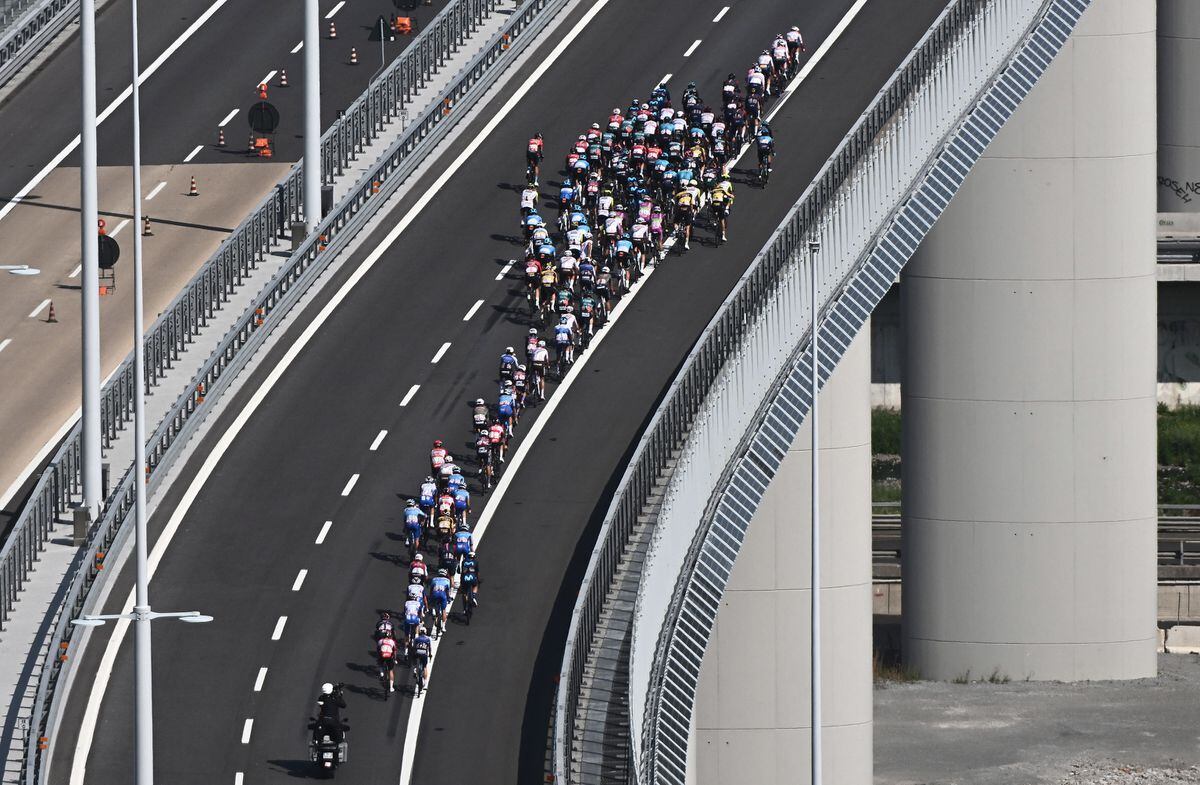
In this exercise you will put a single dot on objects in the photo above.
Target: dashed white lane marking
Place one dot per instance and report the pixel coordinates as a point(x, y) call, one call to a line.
point(500, 275)
point(41, 307)
point(232, 114)
point(440, 352)
point(378, 440)
point(471, 312)
point(721, 14)
point(153, 193)
point(666, 78)
point(239, 778)
point(324, 531)
point(350, 485)
point(246, 731)
point(5, 343)
point(75, 273)
point(335, 9)
point(692, 48)
point(278, 633)
point(258, 682)
point(195, 151)
point(296, 584)
point(408, 396)
point(297, 47)
point(267, 79)
point(120, 226)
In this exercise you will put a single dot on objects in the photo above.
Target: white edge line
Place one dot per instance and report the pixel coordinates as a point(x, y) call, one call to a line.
point(277, 633)
point(440, 353)
point(408, 396)
point(120, 226)
point(195, 151)
point(721, 14)
point(500, 275)
point(297, 47)
point(246, 730)
point(158, 188)
point(666, 78)
point(232, 114)
point(324, 531)
point(378, 440)
point(471, 312)
point(296, 584)
point(83, 740)
point(825, 46)
point(239, 778)
point(350, 485)
point(262, 676)
point(108, 110)
point(335, 9)
point(692, 48)
point(266, 79)
point(41, 307)
point(75, 273)
point(5, 343)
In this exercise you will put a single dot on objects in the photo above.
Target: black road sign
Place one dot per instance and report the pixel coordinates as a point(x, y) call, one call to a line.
point(110, 252)
point(263, 118)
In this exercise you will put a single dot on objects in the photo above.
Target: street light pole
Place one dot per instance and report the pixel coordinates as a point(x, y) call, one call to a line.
point(815, 575)
point(89, 288)
point(312, 116)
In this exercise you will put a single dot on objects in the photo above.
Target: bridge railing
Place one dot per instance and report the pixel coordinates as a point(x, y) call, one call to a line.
point(741, 396)
point(28, 25)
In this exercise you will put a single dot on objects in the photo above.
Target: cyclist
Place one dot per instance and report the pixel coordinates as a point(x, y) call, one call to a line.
point(766, 151)
point(385, 653)
point(721, 199)
point(428, 496)
point(415, 590)
point(564, 340)
point(483, 454)
point(448, 470)
point(540, 360)
point(413, 520)
point(463, 541)
point(520, 387)
point(422, 650)
point(795, 44)
point(498, 438)
point(685, 212)
point(384, 627)
point(533, 158)
point(462, 503)
point(529, 198)
point(479, 413)
point(506, 407)
point(418, 569)
point(508, 363)
point(439, 595)
point(413, 611)
point(469, 571)
point(437, 456)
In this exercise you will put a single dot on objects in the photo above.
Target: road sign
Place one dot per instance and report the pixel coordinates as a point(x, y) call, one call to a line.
point(263, 118)
point(110, 252)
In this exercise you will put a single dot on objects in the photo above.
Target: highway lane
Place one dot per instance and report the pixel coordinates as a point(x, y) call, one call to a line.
point(253, 526)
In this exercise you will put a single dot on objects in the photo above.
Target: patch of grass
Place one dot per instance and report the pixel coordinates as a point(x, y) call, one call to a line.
point(962, 678)
point(885, 431)
point(886, 670)
point(997, 677)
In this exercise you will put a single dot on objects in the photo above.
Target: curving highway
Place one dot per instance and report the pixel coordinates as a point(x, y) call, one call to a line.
point(284, 525)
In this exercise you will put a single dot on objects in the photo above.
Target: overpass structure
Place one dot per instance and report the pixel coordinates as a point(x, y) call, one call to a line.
point(274, 515)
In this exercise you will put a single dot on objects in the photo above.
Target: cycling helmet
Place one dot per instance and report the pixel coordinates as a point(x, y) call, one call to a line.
point(421, 630)
point(410, 503)
point(508, 350)
point(570, 309)
point(415, 581)
point(508, 384)
point(479, 402)
point(542, 342)
point(604, 270)
point(326, 689)
point(442, 573)
point(538, 135)
point(419, 557)
point(471, 555)
point(533, 331)
point(596, 126)
point(520, 367)
point(429, 478)
point(796, 28)
point(562, 320)
point(437, 442)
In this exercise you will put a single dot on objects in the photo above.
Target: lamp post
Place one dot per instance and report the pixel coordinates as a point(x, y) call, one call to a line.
point(312, 117)
point(815, 570)
point(89, 288)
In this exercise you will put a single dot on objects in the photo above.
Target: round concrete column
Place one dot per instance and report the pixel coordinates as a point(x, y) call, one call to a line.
point(752, 707)
point(1029, 384)
point(1178, 106)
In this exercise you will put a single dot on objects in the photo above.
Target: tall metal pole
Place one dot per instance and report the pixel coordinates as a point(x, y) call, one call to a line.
point(312, 116)
point(143, 686)
point(90, 261)
point(815, 582)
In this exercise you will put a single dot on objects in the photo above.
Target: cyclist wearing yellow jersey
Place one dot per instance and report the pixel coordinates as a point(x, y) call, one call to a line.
point(721, 197)
point(685, 212)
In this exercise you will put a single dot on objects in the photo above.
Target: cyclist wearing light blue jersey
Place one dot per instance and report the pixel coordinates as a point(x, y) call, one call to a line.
point(413, 520)
point(439, 598)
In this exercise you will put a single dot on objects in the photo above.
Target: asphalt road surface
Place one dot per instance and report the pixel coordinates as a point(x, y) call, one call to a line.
point(253, 526)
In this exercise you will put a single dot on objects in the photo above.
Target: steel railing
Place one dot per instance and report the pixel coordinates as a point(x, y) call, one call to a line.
point(370, 192)
point(28, 25)
point(734, 408)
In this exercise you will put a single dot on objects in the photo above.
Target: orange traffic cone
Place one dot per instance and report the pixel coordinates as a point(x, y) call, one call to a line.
point(146, 232)
point(283, 78)
point(353, 56)
point(51, 318)
point(250, 147)
point(220, 137)
point(262, 91)
point(332, 30)
point(374, 186)
point(193, 191)
point(200, 392)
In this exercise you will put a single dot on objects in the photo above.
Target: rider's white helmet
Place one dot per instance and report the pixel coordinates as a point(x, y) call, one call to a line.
point(326, 689)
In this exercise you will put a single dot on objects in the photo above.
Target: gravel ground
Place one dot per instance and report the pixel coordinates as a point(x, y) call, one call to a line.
point(1144, 732)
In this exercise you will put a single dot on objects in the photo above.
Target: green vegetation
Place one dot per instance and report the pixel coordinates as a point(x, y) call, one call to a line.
point(885, 457)
point(891, 669)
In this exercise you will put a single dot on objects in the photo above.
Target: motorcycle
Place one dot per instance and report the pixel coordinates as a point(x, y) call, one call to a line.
point(328, 747)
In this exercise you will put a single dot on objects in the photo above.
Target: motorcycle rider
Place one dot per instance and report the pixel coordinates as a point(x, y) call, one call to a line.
point(329, 714)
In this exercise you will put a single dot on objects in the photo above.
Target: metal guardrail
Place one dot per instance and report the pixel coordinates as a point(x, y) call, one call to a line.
point(386, 96)
point(736, 405)
point(268, 310)
point(28, 25)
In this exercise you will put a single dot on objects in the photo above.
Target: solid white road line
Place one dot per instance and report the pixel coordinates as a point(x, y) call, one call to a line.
point(278, 632)
point(335, 9)
point(120, 226)
point(692, 48)
point(440, 352)
point(471, 312)
point(5, 343)
point(258, 682)
point(153, 193)
point(817, 56)
point(75, 273)
point(720, 14)
point(378, 439)
point(324, 531)
point(297, 47)
point(232, 114)
point(666, 78)
point(500, 275)
point(41, 307)
point(239, 778)
point(296, 584)
point(195, 151)
point(408, 396)
point(108, 110)
point(246, 731)
point(350, 485)
point(87, 731)
point(267, 79)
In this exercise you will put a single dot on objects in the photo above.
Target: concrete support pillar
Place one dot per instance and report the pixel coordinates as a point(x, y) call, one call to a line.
point(1029, 383)
point(1178, 106)
point(752, 712)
